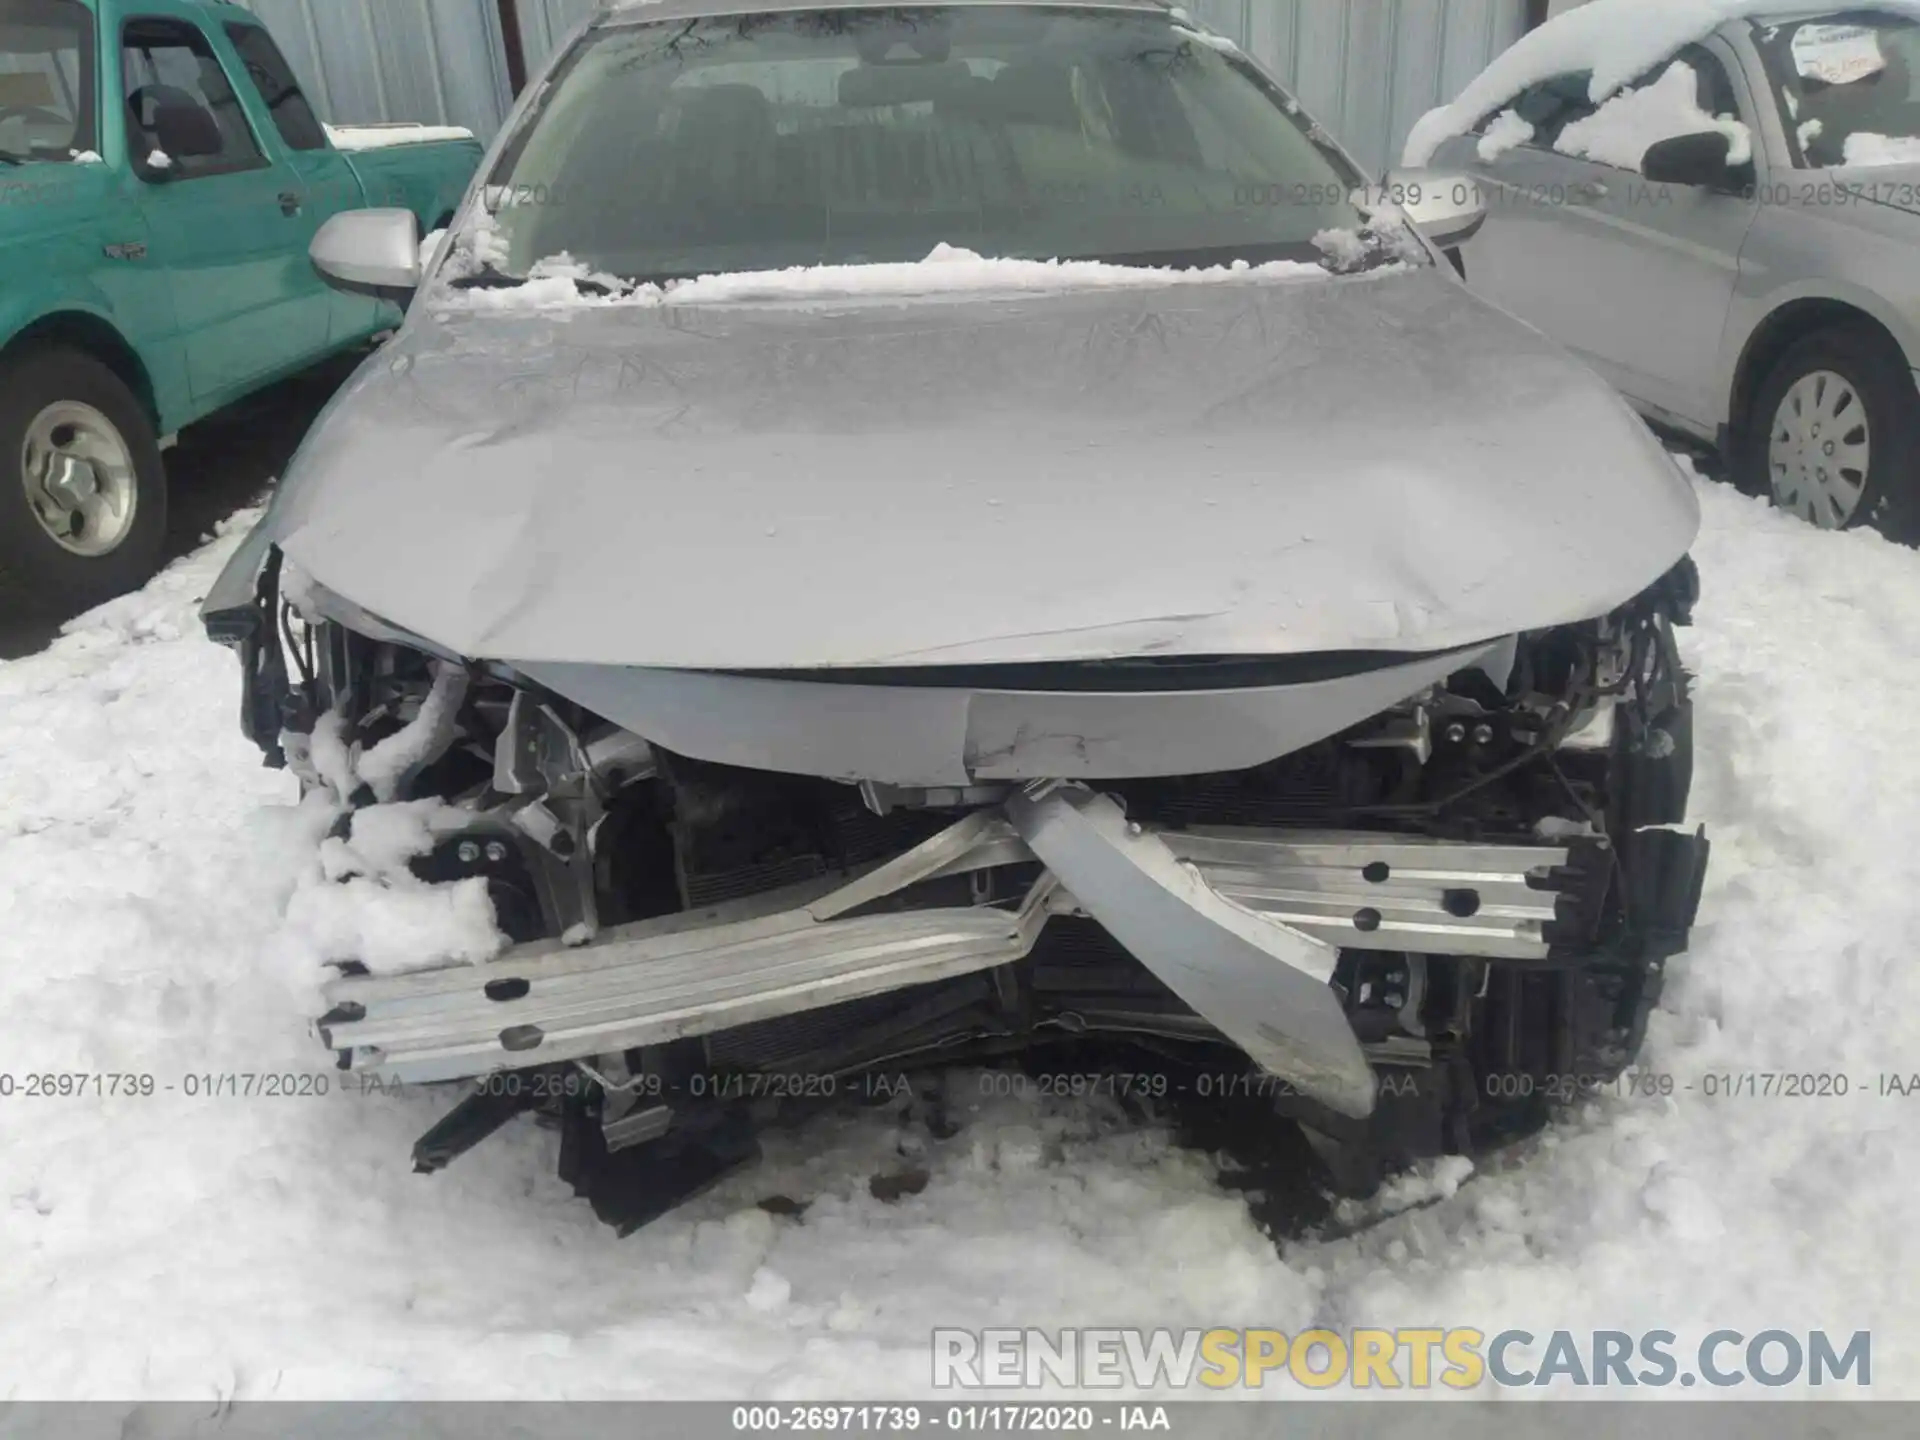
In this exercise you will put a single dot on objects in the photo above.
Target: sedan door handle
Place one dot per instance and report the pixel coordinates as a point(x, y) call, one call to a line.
point(1587, 192)
point(290, 202)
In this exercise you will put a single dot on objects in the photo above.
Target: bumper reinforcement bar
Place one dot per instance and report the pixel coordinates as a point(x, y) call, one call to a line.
point(1242, 924)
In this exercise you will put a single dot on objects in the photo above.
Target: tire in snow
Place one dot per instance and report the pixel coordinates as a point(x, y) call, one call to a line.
point(1834, 434)
point(83, 494)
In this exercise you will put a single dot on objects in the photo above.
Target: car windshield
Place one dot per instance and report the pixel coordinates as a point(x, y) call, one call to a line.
point(46, 80)
point(853, 136)
point(1849, 86)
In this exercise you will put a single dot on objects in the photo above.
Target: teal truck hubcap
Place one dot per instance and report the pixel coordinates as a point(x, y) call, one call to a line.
point(79, 478)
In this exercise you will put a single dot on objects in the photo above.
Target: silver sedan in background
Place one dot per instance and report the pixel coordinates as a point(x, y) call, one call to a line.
point(1732, 239)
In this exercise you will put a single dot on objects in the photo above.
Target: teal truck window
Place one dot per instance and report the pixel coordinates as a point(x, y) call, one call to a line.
point(169, 62)
point(270, 74)
point(46, 80)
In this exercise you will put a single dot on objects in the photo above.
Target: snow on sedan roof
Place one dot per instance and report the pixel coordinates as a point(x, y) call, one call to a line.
point(1618, 40)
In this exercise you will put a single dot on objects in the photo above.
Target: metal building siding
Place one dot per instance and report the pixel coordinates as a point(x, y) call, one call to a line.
point(1366, 68)
point(545, 23)
point(434, 61)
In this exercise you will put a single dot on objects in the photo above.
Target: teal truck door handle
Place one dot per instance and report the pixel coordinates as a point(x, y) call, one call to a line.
point(289, 202)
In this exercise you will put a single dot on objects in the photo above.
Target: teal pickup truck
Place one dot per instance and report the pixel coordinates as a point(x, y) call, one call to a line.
point(161, 177)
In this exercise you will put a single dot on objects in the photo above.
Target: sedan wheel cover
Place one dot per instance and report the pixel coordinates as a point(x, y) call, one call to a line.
point(1820, 449)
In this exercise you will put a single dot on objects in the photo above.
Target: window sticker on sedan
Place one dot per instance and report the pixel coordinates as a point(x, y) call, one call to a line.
point(1837, 54)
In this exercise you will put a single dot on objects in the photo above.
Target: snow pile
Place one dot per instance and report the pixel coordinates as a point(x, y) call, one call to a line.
point(1188, 28)
point(392, 924)
point(383, 838)
point(1344, 249)
point(1617, 40)
point(146, 861)
point(326, 758)
point(385, 137)
point(947, 270)
point(1506, 130)
point(1864, 148)
point(366, 905)
point(1426, 1183)
point(423, 739)
point(1620, 131)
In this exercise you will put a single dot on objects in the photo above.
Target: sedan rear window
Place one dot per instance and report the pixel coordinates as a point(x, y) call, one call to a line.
point(850, 136)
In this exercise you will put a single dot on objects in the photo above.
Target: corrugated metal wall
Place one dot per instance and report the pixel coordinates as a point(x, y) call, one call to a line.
point(544, 23)
point(1366, 68)
point(435, 61)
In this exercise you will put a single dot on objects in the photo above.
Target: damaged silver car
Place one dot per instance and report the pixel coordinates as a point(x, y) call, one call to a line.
point(854, 641)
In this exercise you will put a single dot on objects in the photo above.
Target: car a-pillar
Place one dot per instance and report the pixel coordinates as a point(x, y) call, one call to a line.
point(83, 494)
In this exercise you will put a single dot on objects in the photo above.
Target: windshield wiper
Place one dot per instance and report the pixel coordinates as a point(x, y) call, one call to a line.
point(7, 157)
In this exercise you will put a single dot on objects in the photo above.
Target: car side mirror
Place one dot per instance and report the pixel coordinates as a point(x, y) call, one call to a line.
point(370, 252)
point(1701, 159)
point(1448, 207)
point(185, 131)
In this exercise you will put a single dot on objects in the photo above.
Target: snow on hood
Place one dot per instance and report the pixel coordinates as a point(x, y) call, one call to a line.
point(948, 270)
point(1618, 40)
point(1507, 130)
point(1371, 462)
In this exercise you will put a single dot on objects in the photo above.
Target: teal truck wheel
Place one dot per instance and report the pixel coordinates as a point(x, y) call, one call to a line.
point(83, 494)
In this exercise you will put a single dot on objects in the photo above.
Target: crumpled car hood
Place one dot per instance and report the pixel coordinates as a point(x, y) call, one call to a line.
point(1377, 462)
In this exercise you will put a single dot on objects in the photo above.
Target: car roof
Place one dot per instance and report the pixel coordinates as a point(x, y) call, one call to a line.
point(646, 12)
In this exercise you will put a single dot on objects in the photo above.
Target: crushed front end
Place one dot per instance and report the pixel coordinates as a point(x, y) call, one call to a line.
point(1415, 896)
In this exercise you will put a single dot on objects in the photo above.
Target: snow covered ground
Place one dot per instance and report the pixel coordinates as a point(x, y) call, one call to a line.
point(193, 1247)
